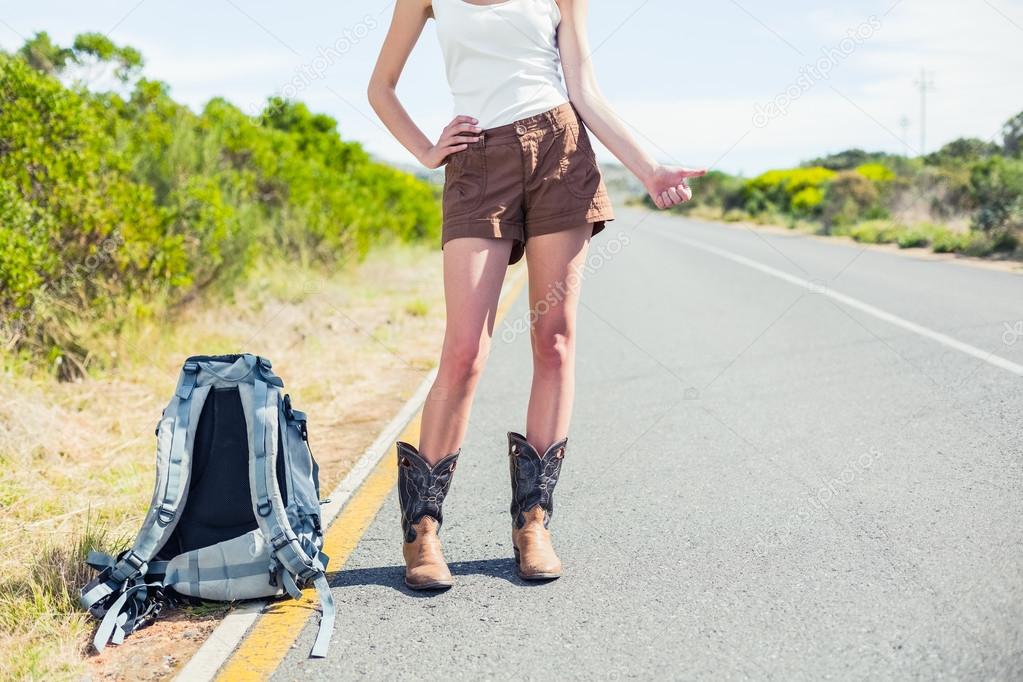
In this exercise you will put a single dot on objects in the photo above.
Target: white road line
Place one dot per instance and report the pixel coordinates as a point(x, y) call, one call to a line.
point(221, 642)
point(819, 288)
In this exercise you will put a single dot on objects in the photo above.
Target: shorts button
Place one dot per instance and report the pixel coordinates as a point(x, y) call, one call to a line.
point(521, 130)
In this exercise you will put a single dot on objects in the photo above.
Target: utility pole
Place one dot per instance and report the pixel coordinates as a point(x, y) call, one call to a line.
point(924, 85)
point(904, 123)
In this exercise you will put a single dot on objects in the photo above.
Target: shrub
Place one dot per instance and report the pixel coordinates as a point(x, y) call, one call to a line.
point(775, 190)
point(717, 190)
point(108, 205)
point(979, 245)
point(949, 191)
point(807, 200)
point(850, 197)
point(996, 186)
point(876, 172)
point(947, 241)
point(963, 151)
point(850, 159)
point(77, 229)
point(913, 237)
point(735, 216)
point(875, 232)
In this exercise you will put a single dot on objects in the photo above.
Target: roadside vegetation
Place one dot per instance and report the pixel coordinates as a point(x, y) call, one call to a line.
point(135, 231)
point(122, 203)
point(965, 198)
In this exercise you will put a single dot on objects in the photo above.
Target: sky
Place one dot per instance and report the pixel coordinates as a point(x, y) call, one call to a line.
point(740, 86)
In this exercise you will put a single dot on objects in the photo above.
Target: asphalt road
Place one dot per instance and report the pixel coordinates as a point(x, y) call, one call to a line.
point(764, 480)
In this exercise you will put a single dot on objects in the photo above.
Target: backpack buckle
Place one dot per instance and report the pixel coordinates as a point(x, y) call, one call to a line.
point(309, 573)
point(135, 563)
point(280, 540)
point(288, 411)
point(190, 374)
point(166, 515)
point(134, 560)
point(264, 508)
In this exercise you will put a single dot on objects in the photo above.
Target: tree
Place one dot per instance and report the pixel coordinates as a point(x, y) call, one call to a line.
point(1012, 135)
point(965, 150)
point(42, 54)
point(848, 159)
point(997, 188)
point(88, 49)
point(127, 60)
point(114, 207)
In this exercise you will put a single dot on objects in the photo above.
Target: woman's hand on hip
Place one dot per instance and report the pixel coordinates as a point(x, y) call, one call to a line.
point(456, 138)
point(667, 185)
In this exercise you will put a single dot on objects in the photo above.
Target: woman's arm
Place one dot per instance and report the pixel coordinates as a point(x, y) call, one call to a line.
point(406, 26)
point(666, 185)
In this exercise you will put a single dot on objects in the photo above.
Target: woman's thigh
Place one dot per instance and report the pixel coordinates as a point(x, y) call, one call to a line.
point(556, 263)
point(474, 271)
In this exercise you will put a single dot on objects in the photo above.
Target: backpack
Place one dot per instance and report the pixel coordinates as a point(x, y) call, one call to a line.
point(235, 513)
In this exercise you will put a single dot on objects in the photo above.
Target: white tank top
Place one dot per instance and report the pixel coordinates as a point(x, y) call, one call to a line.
point(502, 60)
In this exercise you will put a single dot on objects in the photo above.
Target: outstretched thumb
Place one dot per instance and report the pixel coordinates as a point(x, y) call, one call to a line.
point(691, 172)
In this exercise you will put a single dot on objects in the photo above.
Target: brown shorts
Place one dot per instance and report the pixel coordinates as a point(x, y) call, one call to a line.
point(535, 176)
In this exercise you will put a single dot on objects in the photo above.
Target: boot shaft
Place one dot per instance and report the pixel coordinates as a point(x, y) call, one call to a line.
point(533, 477)
point(422, 488)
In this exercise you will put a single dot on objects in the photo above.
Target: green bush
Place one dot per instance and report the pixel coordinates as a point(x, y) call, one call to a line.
point(939, 237)
point(947, 241)
point(876, 172)
point(110, 204)
point(850, 159)
point(997, 188)
point(964, 151)
point(716, 189)
point(735, 216)
point(1012, 136)
point(776, 190)
point(967, 179)
point(807, 200)
point(947, 190)
point(850, 197)
point(875, 232)
point(69, 200)
point(912, 238)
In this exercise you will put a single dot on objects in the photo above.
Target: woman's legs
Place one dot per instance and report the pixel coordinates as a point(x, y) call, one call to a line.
point(555, 278)
point(474, 271)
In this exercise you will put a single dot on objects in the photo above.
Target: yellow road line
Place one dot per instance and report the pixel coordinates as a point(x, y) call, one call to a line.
point(267, 643)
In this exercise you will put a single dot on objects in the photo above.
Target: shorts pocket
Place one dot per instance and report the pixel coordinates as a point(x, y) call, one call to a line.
point(465, 182)
point(579, 170)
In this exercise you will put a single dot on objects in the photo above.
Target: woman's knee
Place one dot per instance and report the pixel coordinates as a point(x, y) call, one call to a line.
point(553, 343)
point(464, 358)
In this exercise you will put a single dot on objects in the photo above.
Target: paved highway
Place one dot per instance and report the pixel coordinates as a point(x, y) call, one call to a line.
point(791, 458)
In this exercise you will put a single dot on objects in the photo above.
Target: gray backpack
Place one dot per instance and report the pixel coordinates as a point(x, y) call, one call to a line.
point(236, 509)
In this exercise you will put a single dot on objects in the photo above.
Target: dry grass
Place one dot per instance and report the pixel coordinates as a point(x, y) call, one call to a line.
point(76, 459)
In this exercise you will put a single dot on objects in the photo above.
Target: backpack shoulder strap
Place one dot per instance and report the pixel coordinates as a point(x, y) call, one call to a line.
point(113, 593)
point(271, 514)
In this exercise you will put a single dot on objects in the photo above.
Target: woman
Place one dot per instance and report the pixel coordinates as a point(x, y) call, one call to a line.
point(521, 179)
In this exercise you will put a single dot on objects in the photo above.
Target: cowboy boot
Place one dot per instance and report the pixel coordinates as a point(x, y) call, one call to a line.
point(421, 491)
point(533, 479)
